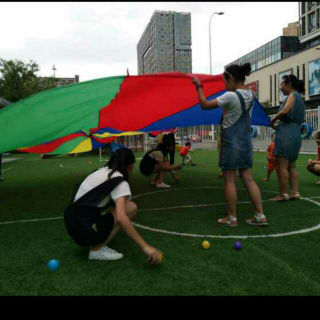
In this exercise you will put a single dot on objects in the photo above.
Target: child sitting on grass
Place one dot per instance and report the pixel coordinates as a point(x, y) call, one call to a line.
point(184, 153)
point(271, 159)
point(313, 166)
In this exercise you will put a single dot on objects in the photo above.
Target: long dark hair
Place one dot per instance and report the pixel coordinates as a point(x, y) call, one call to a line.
point(165, 144)
point(295, 83)
point(120, 161)
point(239, 72)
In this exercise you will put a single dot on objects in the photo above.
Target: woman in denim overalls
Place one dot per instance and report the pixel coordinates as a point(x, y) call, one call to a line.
point(288, 137)
point(236, 142)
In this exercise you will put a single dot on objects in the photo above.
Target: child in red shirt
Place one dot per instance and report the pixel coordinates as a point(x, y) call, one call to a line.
point(271, 159)
point(184, 153)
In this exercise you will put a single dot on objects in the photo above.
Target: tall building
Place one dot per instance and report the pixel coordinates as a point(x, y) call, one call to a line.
point(309, 20)
point(165, 44)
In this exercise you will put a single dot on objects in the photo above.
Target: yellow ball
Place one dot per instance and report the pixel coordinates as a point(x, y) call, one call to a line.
point(206, 244)
point(158, 261)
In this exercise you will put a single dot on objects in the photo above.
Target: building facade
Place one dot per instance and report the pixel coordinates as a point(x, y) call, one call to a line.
point(165, 44)
point(274, 51)
point(60, 82)
point(297, 52)
point(309, 21)
point(304, 65)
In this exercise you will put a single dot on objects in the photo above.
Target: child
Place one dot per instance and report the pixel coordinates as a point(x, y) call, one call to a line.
point(156, 161)
point(184, 153)
point(271, 159)
point(236, 141)
point(313, 166)
point(106, 188)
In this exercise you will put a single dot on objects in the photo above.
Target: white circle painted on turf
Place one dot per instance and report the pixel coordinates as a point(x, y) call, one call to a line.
point(277, 235)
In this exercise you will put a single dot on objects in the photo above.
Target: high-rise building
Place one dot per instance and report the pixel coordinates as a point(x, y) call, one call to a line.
point(309, 19)
point(165, 44)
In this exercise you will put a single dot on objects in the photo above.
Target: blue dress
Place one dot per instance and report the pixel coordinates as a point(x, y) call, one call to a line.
point(236, 142)
point(288, 134)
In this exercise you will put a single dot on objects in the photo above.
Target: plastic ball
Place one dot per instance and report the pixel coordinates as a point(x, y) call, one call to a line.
point(53, 265)
point(159, 260)
point(238, 245)
point(205, 244)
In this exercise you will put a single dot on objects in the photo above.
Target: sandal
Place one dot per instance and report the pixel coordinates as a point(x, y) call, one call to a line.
point(231, 221)
point(285, 197)
point(296, 196)
point(256, 220)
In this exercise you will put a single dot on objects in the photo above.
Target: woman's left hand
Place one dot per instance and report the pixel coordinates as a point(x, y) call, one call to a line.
point(196, 81)
point(272, 123)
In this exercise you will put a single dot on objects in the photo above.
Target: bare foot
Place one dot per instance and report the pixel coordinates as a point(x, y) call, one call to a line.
point(265, 179)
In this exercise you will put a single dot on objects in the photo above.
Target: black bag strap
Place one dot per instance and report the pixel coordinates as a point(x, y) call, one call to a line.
point(97, 194)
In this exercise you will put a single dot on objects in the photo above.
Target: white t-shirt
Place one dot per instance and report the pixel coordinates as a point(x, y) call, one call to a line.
point(98, 177)
point(157, 155)
point(231, 105)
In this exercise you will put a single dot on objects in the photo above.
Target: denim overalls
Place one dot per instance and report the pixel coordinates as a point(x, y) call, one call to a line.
point(236, 142)
point(288, 135)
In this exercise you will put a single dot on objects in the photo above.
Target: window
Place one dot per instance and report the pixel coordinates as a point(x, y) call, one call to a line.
point(270, 89)
point(275, 89)
point(298, 72)
point(303, 27)
point(303, 7)
point(304, 73)
point(312, 22)
point(312, 5)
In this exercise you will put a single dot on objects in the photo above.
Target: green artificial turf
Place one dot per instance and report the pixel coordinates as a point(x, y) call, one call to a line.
point(41, 189)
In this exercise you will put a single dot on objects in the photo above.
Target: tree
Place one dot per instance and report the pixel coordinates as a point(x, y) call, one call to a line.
point(18, 80)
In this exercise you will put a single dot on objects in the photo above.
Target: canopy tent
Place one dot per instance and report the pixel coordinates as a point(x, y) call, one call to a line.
point(83, 116)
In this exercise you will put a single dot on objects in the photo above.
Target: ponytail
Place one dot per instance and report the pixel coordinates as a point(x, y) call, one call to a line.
point(120, 161)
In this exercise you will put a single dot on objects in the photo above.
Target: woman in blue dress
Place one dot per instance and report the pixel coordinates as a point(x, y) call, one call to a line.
point(236, 141)
point(288, 137)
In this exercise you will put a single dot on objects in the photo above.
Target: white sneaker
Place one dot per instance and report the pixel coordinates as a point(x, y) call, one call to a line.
point(163, 185)
point(105, 253)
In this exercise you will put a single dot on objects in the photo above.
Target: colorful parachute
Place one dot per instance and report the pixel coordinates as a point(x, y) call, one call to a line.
point(86, 115)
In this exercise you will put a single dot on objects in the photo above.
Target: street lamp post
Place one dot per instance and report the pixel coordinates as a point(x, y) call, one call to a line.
point(54, 75)
point(219, 13)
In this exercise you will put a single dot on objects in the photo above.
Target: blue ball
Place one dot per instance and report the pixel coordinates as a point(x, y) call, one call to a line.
point(238, 245)
point(265, 168)
point(53, 265)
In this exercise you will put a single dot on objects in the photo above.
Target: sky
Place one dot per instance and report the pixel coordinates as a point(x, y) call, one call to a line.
point(99, 39)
